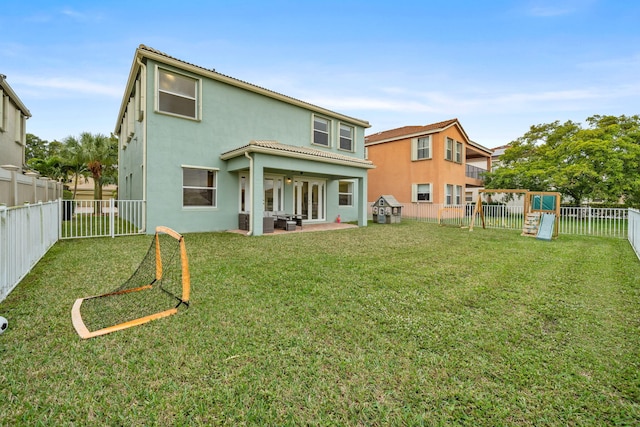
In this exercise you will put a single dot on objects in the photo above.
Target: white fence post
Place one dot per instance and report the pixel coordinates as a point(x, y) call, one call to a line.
point(112, 218)
point(4, 253)
point(633, 231)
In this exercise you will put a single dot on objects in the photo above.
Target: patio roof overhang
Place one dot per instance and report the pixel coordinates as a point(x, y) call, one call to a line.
point(276, 148)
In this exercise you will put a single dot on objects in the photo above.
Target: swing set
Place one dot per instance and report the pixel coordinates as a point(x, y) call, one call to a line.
point(541, 212)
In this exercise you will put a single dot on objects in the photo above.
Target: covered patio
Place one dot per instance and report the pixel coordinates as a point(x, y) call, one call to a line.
point(317, 186)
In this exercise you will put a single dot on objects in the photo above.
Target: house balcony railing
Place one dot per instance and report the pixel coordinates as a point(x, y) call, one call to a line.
point(474, 172)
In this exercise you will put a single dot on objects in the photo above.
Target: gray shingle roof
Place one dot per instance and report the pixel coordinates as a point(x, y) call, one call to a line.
point(278, 148)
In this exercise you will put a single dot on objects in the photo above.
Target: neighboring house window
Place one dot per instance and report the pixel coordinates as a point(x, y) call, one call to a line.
point(421, 193)
point(453, 194)
point(458, 152)
point(421, 148)
point(345, 193)
point(20, 134)
point(321, 131)
point(346, 137)
point(468, 197)
point(198, 187)
point(177, 94)
point(448, 152)
point(448, 191)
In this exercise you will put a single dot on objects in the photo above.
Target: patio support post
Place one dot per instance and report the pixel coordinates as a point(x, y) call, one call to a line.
point(362, 202)
point(257, 189)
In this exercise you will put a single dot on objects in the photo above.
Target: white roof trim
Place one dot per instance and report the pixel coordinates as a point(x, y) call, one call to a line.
point(305, 153)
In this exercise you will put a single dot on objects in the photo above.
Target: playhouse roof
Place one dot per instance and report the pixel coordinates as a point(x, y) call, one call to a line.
point(389, 200)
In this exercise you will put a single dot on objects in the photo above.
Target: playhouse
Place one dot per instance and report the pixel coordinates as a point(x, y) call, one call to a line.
point(386, 210)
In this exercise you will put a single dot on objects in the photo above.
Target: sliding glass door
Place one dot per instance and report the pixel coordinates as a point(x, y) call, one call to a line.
point(309, 199)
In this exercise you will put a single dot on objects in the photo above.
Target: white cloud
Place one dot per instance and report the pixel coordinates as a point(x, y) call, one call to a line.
point(546, 11)
point(80, 16)
point(68, 85)
point(371, 103)
point(546, 8)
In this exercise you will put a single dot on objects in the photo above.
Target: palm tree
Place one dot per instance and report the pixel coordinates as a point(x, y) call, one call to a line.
point(96, 155)
point(73, 156)
point(100, 154)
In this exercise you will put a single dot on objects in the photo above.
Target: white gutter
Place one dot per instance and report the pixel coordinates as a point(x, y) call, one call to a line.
point(143, 112)
point(251, 210)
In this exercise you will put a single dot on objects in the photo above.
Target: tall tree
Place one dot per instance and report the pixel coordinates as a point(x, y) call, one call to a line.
point(74, 159)
point(94, 155)
point(35, 148)
point(101, 155)
point(601, 161)
point(52, 167)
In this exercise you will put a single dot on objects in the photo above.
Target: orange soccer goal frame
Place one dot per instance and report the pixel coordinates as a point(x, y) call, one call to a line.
point(76, 317)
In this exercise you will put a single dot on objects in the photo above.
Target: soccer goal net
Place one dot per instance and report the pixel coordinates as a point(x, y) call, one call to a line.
point(158, 287)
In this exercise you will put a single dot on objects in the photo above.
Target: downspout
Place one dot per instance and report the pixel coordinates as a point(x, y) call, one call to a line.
point(143, 123)
point(251, 210)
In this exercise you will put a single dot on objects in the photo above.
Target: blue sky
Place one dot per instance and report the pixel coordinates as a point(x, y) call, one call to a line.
point(498, 66)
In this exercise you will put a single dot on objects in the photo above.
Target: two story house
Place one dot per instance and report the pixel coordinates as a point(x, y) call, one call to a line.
point(13, 118)
point(19, 185)
point(201, 147)
point(436, 163)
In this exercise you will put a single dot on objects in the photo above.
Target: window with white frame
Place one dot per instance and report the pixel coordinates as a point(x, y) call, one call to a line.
point(321, 131)
point(346, 137)
point(458, 195)
point(421, 148)
point(177, 94)
point(199, 186)
point(421, 193)
point(345, 193)
point(448, 194)
point(468, 197)
point(458, 152)
point(448, 149)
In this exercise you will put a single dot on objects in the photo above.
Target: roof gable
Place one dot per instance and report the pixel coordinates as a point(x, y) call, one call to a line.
point(147, 52)
point(417, 131)
point(407, 131)
point(389, 200)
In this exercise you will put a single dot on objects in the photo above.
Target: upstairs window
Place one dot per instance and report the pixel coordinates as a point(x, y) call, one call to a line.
point(448, 149)
point(321, 131)
point(198, 187)
point(177, 94)
point(458, 152)
point(20, 128)
point(346, 137)
point(421, 148)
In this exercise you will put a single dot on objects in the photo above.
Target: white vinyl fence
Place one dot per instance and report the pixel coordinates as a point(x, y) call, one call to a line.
point(26, 234)
point(101, 218)
point(584, 220)
point(634, 230)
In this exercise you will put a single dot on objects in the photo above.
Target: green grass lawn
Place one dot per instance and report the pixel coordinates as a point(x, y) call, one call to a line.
point(406, 324)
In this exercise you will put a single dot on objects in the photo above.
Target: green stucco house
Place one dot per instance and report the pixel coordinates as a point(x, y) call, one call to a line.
point(202, 148)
